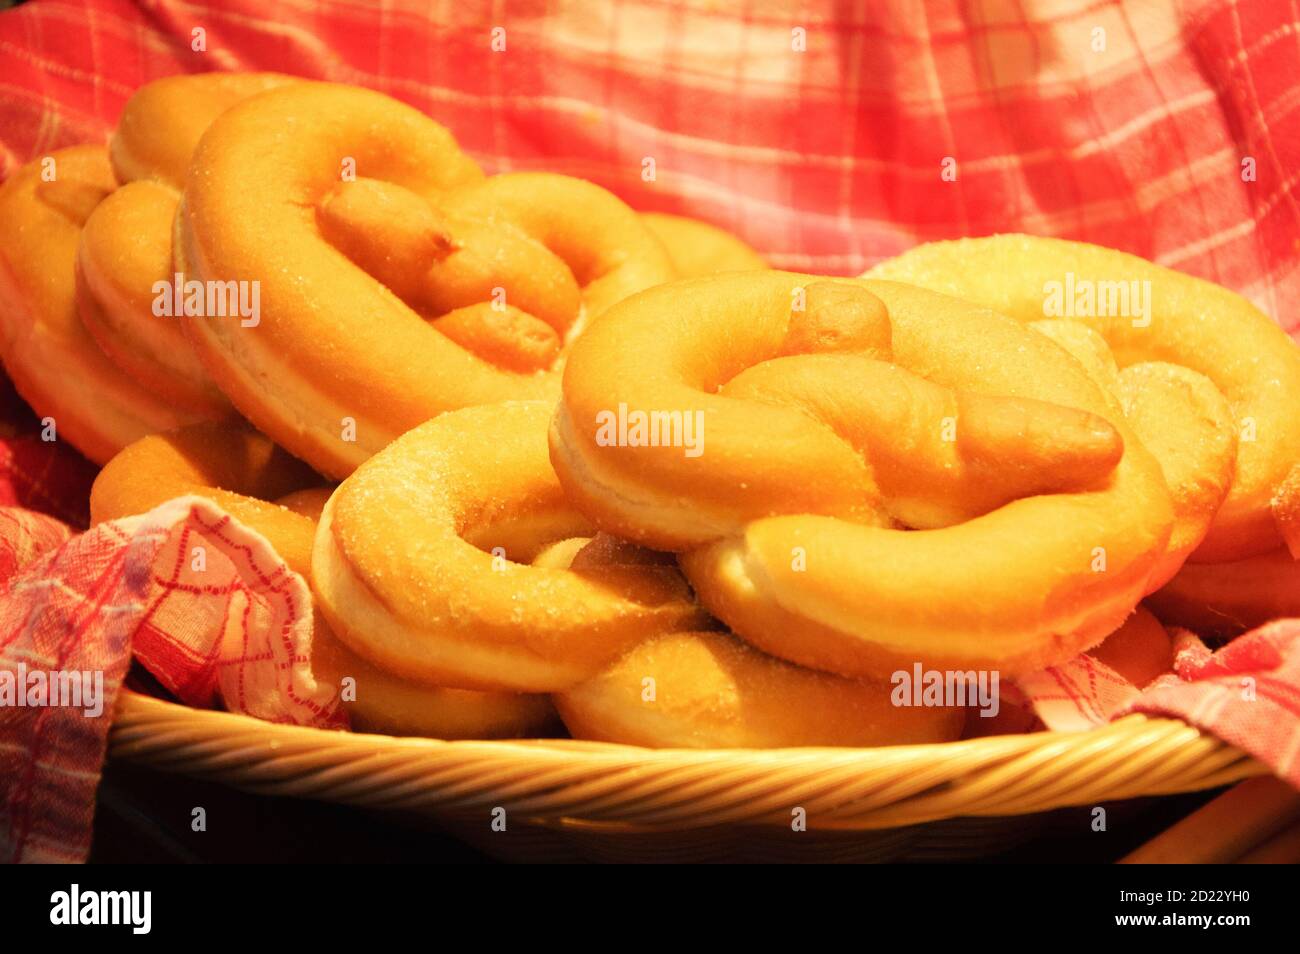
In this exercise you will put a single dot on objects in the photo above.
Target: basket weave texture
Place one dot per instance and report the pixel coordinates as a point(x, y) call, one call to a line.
point(612, 801)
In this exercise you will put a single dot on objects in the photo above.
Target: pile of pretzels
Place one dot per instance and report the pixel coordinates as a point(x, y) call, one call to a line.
point(551, 465)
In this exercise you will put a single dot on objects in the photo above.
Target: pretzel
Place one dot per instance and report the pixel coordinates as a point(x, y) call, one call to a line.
point(458, 559)
point(404, 568)
point(415, 287)
point(126, 246)
point(1045, 517)
point(1190, 322)
point(78, 270)
point(242, 471)
point(709, 689)
point(53, 361)
point(698, 249)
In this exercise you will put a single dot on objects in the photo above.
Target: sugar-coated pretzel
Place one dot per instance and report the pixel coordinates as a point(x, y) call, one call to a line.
point(785, 519)
point(396, 282)
point(421, 563)
point(244, 472)
point(698, 249)
point(708, 689)
point(1172, 318)
point(53, 361)
point(452, 555)
point(126, 245)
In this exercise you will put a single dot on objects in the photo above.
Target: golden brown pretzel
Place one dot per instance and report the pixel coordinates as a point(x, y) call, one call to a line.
point(456, 557)
point(711, 690)
point(1049, 516)
point(1202, 339)
point(396, 282)
point(433, 582)
point(81, 254)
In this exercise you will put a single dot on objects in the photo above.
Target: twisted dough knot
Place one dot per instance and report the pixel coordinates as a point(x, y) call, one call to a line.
point(1040, 518)
point(1185, 322)
point(448, 266)
point(414, 287)
point(1208, 381)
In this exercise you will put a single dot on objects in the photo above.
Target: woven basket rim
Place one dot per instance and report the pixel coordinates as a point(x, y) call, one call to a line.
point(602, 787)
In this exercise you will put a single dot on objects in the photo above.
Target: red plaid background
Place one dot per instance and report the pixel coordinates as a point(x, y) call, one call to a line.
point(818, 131)
point(827, 159)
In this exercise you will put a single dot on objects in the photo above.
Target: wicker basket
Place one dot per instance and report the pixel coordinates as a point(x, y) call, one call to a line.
point(566, 799)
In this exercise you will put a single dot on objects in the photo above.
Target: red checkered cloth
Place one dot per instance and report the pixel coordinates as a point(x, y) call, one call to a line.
point(828, 135)
point(203, 603)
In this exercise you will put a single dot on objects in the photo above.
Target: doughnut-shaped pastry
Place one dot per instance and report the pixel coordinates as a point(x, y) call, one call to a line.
point(420, 563)
point(711, 690)
point(241, 470)
point(53, 361)
point(1149, 313)
point(125, 254)
point(411, 288)
point(698, 249)
point(1048, 516)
